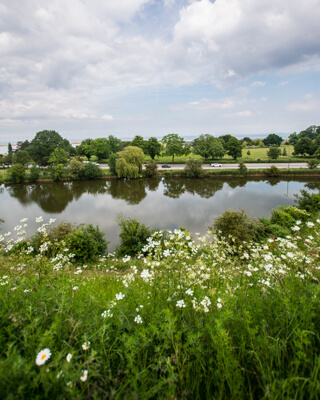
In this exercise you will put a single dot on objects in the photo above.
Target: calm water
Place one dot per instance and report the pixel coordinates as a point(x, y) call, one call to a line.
point(159, 203)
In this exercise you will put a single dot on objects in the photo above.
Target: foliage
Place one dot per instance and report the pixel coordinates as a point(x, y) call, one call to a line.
point(312, 164)
point(57, 172)
point(243, 168)
point(133, 236)
point(22, 145)
point(272, 172)
point(304, 146)
point(193, 168)
point(92, 171)
point(274, 153)
point(34, 172)
point(76, 168)
point(237, 227)
point(311, 132)
point(207, 146)
point(151, 168)
point(308, 201)
point(129, 163)
point(112, 163)
point(86, 242)
point(273, 140)
point(58, 156)
point(138, 141)
point(293, 138)
point(21, 157)
point(234, 148)
point(17, 173)
point(153, 147)
point(44, 143)
point(174, 145)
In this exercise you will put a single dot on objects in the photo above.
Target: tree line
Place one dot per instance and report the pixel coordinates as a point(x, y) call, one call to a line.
point(125, 158)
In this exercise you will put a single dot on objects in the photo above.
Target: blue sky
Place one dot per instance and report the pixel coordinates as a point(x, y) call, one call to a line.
point(93, 68)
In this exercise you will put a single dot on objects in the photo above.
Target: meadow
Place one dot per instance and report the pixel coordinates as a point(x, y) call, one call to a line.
point(189, 318)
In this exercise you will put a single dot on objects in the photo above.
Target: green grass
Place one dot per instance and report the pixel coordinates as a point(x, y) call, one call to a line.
point(213, 324)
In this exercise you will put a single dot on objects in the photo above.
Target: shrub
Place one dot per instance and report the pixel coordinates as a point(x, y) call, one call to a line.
point(274, 229)
point(151, 168)
point(133, 236)
point(308, 201)
point(58, 172)
point(112, 163)
point(272, 172)
point(243, 168)
point(76, 168)
point(92, 171)
point(312, 164)
point(86, 242)
point(34, 172)
point(17, 173)
point(237, 227)
point(193, 168)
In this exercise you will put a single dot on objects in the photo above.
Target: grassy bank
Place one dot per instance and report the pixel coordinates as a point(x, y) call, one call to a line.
point(186, 320)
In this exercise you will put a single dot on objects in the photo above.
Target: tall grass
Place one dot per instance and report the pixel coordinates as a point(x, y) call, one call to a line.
point(186, 320)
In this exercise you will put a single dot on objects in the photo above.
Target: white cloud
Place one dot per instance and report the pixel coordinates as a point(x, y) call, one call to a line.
point(246, 113)
point(258, 84)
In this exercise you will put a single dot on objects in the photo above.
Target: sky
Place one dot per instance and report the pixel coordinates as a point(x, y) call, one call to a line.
point(94, 68)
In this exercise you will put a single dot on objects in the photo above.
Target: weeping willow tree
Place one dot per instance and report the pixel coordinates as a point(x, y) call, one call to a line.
point(129, 163)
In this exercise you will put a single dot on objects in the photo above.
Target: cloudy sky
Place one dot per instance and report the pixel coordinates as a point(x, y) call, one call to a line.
point(91, 68)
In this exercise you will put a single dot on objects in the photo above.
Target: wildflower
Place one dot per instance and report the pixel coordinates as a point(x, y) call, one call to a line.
point(310, 224)
point(138, 319)
point(59, 375)
point(86, 345)
point(39, 220)
point(84, 375)
point(180, 304)
point(75, 288)
point(68, 358)
point(23, 220)
point(43, 356)
point(107, 313)
point(120, 296)
point(295, 228)
point(189, 292)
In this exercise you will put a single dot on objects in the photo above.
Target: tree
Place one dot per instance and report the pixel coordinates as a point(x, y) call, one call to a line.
point(234, 148)
point(22, 145)
point(86, 148)
point(114, 144)
point(44, 143)
point(92, 171)
point(17, 173)
point(273, 140)
point(101, 148)
point(151, 168)
point(225, 139)
point(138, 141)
point(312, 132)
point(112, 163)
point(207, 146)
point(58, 156)
point(193, 168)
point(174, 145)
point(153, 147)
point(21, 157)
point(248, 140)
point(129, 163)
point(304, 146)
point(76, 168)
point(293, 138)
point(274, 153)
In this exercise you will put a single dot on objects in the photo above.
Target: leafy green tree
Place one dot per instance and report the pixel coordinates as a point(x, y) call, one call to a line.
point(284, 152)
point(92, 171)
point(101, 148)
point(293, 138)
point(207, 146)
point(22, 145)
point(112, 163)
point(234, 148)
point(138, 141)
point(58, 156)
point(21, 157)
point(114, 144)
point(225, 139)
point(247, 140)
point(10, 151)
point(57, 172)
point(153, 147)
point(129, 163)
point(193, 168)
point(151, 168)
point(274, 153)
point(76, 168)
point(174, 145)
point(44, 143)
point(86, 148)
point(273, 140)
point(34, 172)
point(312, 132)
point(17, 173)
point(243, 168)
point(304, 146)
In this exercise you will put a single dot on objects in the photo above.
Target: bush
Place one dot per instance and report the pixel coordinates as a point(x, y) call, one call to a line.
point(307, 201)
point(312, 164)
point(193, 168)
point(151, 168)
point(92, 171)
point(86, 242)
point(58, 172)
point(237, 227)
point(133, 236)
point(243, 168)
point(274, 229)
point(34, 172)
point(272, 172)
point(17, 173)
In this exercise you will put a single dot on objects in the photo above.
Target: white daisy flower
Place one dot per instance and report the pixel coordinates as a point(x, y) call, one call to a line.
point(43, 356)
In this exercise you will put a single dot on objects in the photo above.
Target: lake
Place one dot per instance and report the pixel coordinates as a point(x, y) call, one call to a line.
point(157, 202)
